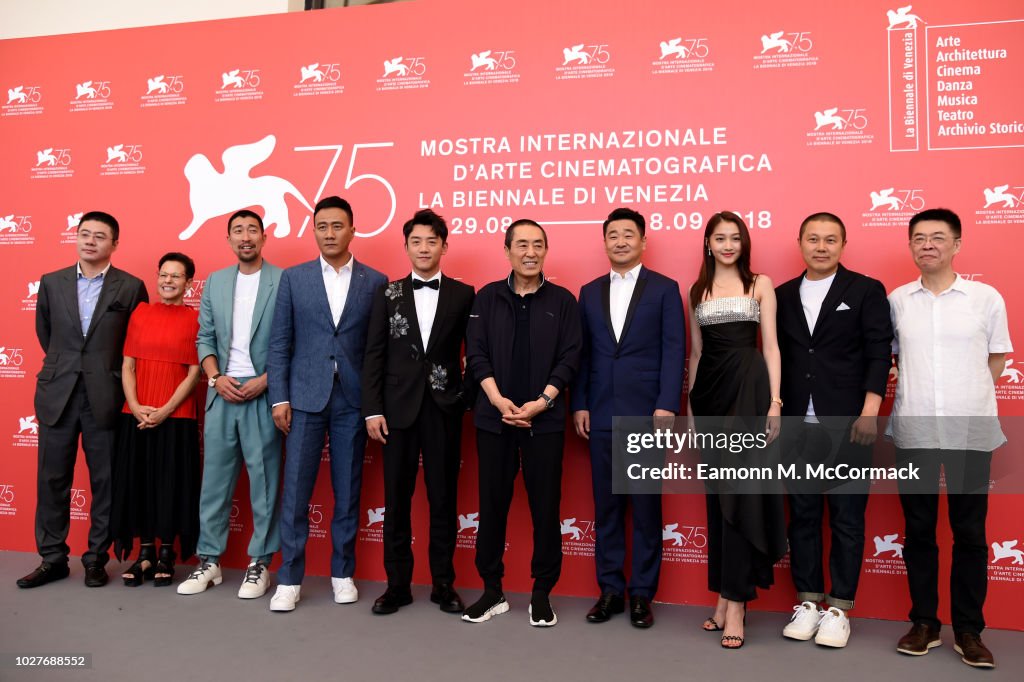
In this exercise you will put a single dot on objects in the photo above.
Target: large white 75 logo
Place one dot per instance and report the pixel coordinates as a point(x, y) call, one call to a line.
point(351, 179)
point(7, 494)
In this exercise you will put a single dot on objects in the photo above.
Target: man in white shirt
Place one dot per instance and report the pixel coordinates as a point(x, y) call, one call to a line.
point(234, 334)
point(951, 341)
point(413, 402)
point(314, 365)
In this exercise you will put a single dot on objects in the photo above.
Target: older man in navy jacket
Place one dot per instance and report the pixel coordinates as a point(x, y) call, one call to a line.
point(633, 349)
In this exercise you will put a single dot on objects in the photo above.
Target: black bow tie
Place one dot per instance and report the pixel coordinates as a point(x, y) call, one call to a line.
point(434, 284)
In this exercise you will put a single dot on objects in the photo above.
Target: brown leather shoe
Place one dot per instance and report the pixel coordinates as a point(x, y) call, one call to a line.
point(919, 640)
point(972, 651)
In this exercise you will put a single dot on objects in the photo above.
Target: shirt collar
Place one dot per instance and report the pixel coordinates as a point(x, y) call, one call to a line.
point(959, 284)
point(511, 281)
point(327, 267)
point(437, 276)
point(632, 273)
point(103, 273)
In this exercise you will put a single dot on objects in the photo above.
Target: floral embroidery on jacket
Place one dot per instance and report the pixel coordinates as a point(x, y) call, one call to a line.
point(438, 377)
point(399, 326)
point(394, 290)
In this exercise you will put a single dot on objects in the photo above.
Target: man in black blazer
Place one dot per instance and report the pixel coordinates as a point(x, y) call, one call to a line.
point(81, 319)
point(835, 335)
point(413, 402)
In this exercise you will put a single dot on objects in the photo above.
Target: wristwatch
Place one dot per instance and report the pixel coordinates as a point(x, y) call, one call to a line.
point(777, 400)
point(549, 402)
point(213, 380)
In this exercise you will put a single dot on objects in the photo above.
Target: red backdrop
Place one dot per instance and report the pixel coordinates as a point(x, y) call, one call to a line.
point(554, 111)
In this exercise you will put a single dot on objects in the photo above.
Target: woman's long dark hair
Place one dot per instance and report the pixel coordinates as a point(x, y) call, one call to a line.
point(702, 287)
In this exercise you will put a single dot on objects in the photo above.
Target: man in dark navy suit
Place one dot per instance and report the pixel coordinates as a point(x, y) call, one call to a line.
point(633, 349)
point(835, 335)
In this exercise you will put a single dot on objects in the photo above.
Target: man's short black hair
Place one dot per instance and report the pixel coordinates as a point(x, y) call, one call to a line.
point(523, 221)
point(943, 215)
point(429, 219)
point(825, 217)
point(174, 256)
point(335, 202)
point(105, 218)
point(625, 214)
point(245, 213)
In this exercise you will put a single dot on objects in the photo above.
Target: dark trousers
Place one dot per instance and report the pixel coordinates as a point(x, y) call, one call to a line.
point(58, 450)
point(812, 443)
point(304, 444)
point(610, 522)
point(437, 435)
point(499, 462)
point(967, 479)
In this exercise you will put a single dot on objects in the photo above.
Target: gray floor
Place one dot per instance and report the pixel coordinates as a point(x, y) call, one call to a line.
point(148, 633)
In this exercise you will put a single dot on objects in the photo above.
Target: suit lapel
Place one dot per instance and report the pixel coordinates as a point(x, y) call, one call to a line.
point(833, 298)
point(264, 294)
point(408, 301)
point(444, 296)
point(606, 306)
point(317, 273)
point(69, 292)
point(795, 309)
point(355, 286)
point(638, 291)
point(111, 285)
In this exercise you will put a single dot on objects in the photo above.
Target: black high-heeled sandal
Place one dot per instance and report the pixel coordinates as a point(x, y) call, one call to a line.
point(164, 566)
point(137, 573)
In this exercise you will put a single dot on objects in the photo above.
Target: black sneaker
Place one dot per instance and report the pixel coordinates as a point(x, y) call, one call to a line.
point(491, 603)
point(541, 613)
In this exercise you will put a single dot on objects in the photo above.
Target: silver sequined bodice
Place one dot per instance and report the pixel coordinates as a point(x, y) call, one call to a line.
point(728, 309)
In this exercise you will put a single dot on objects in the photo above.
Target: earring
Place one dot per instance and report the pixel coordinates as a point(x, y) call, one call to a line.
point(709, 250)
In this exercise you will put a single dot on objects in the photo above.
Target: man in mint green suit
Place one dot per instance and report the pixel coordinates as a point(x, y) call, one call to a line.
point(234, 332)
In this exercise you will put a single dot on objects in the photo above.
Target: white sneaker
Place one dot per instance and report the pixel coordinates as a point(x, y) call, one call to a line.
point(285, 598)
point(804, 622)
point(200, 578)
point(257, 580)
point(834, 629)
point(345, 591)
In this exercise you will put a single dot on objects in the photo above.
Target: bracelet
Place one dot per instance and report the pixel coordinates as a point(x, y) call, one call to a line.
point(777, 400)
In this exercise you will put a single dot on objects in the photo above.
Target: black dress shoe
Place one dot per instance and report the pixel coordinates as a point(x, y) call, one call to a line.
point(391, 601)
point(606, 607)
point(640, 614)
point(95, 576)
point(46, 573)
point(445, 595)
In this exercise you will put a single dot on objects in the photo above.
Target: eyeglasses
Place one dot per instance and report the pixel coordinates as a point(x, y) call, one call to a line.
point(937, 240)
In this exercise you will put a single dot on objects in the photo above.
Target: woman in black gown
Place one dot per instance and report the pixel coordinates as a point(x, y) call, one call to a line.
point(735, 388)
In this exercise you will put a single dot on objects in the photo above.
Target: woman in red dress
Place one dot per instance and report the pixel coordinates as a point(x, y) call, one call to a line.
point(156, 465)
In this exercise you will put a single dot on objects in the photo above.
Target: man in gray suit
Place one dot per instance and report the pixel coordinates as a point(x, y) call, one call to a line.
point(81, 319)
point(315, 362)
point(235, 316)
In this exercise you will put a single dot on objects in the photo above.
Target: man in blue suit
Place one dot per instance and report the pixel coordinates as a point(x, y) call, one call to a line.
point(315, 362)
point(633, 349)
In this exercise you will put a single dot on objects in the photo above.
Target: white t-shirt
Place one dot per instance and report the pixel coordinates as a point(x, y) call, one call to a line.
point(812, 295)
point(945, 397)
point(239, 361)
